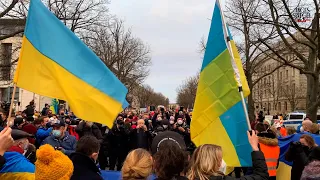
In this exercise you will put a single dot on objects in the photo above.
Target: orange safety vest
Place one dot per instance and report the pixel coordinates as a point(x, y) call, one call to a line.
point(271, 154)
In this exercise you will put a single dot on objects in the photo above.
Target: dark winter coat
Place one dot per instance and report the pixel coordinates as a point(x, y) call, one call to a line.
point(118, 140)
point(260, 170)
point(84, 130)
point(140, 139)
point(68, 143)
point(298, 154)
point(84, 168)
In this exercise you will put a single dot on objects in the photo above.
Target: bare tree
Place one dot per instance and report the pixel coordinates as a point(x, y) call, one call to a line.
point(186, 92)
point(294, 95)
point(127, 56)
point(294, 37)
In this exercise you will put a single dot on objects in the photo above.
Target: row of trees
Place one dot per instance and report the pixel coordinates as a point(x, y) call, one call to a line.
point(146, 96)
point(128, 57)
point(278, 29)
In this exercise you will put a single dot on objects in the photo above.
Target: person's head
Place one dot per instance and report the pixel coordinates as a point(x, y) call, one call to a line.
point(169, 161)
point(180, 121)
point(22, 143)
point(307, 140)
point(205, 162)
point(311, 171)
point(138, 165)
point(19, 122)
point(159, 117)
point(260, 127)
point(44, 120)
point(120, 117)
point(47, 105)
point(314, 128)
point(52, 164)
point(165, 124)
point(141, 122)
point(89, 124)
point(59, 130)
point(291, 130)
point(49, 112)
point(89, 146)
point(306, 125)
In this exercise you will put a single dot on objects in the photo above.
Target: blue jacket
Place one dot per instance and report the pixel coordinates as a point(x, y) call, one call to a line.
point(42, 134)
point(16, 166)
point(68, 143)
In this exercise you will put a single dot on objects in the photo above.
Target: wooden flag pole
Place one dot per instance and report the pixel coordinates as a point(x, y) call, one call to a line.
point(11, 104)
point(228, 41)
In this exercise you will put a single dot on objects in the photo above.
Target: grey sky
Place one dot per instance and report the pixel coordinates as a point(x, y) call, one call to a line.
point(173, 30)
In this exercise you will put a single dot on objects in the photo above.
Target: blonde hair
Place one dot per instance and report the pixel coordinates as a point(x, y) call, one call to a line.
point(138, 165)
point(205, 162)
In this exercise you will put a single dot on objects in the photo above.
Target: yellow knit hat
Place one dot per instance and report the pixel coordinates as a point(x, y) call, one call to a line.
point(52, 164)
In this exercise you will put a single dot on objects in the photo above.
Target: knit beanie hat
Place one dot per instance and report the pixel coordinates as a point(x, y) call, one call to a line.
point(52, 164)
point(311, 171)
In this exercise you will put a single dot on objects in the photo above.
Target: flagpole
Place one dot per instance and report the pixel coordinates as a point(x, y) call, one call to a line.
point(225, 31)
point(11, 104)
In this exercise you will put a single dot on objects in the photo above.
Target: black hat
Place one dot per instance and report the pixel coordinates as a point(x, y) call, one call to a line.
point(18, 134)
point(59, 123)
point(167, 136)
point(18, 121)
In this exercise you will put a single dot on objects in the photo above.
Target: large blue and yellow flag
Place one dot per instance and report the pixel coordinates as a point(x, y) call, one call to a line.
point(218, 116)
point(17, 167)
point(54, 62)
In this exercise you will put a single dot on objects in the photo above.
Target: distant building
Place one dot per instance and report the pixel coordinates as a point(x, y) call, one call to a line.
point(284, 90)
point(9, 54)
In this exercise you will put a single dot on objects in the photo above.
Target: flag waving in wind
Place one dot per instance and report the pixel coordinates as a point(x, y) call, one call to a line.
point(218, 116)
point(54, 62)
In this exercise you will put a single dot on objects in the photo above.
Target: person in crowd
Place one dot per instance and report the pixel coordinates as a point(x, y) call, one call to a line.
point(3, 117)
point(31, 129)
point(299, 128)
point(84, 159)
point(169, 162)
point(206, 161)
point(298, 153)
point(18, 123)
point(140, 136)
point(17, 166)
point(311, 171)
point(6, 141)
point(52, 164)
point(43, 132)
point(61, 140)
point(268, 144)
point(45, 110)
point(118, 138)
point(314, 128)
point(137, 166)
point(291, 130)
point(89, 128)
point(29, 111)
point(306, 126)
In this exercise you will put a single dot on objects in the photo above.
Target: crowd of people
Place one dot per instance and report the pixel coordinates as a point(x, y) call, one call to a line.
point(61, 146)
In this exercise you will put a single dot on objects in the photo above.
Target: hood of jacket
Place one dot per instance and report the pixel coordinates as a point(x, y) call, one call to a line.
point(268, 141)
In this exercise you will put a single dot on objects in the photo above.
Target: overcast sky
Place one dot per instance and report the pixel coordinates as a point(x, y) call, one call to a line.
point(173, 30)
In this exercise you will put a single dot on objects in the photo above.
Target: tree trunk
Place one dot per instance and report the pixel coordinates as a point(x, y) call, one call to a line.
point(312, 92)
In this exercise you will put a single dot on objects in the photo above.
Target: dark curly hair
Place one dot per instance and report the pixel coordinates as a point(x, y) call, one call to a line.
point(170, 160)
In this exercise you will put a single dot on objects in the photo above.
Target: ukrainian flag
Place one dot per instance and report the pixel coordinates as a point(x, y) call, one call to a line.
point(54, 106)
point(54, 62)
point(218, 116)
